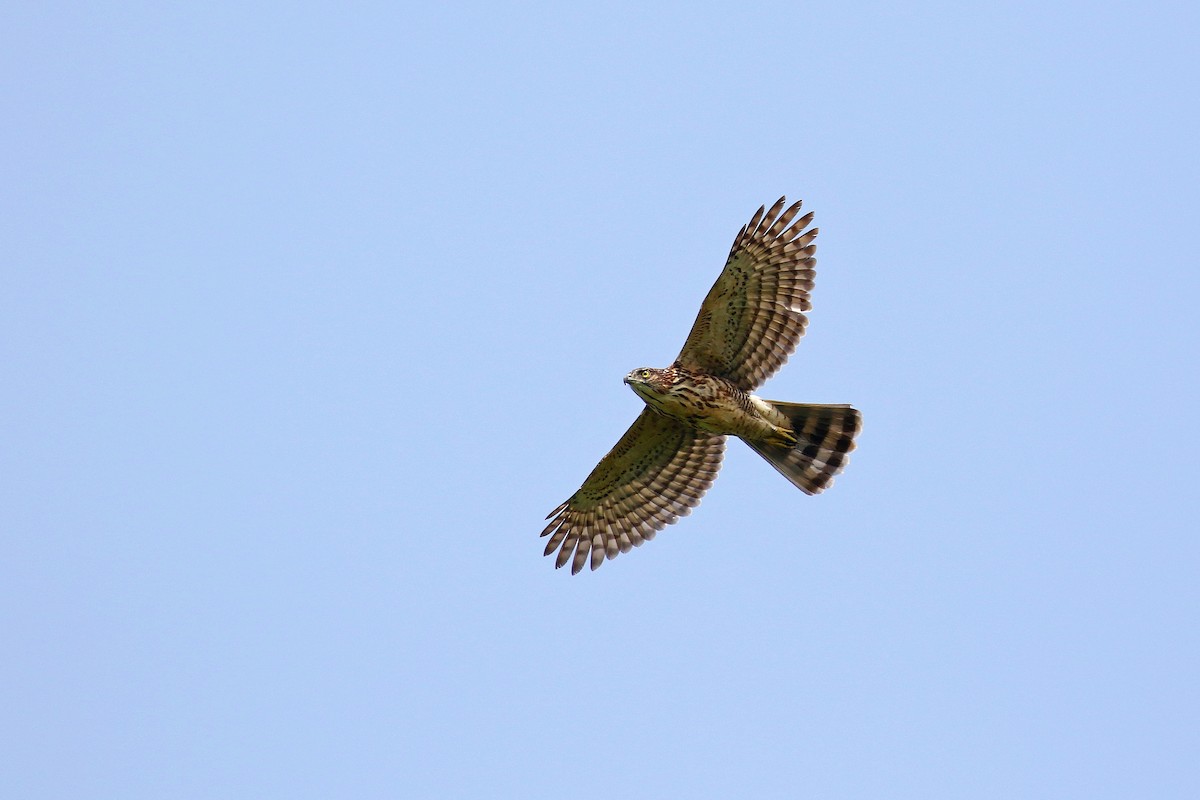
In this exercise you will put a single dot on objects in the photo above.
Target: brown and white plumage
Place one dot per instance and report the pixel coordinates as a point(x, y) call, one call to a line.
point(748, 325)
point(753, 317)
point(825, 436)
point(654, 475)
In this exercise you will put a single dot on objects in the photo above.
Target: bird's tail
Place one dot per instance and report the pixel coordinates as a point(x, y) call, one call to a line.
point(825, 434)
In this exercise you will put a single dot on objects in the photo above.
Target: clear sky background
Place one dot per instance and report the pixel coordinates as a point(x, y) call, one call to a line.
point(311, 312)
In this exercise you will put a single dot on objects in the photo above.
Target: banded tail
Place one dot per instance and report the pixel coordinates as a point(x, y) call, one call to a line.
point(825, 433)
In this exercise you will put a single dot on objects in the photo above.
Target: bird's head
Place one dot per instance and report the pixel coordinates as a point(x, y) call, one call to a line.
point(649, 383)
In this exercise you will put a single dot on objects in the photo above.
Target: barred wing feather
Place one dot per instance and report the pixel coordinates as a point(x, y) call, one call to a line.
point(753, 317)
point(654, 475)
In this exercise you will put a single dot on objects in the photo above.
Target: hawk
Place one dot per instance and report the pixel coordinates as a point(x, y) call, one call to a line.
point(748, 325)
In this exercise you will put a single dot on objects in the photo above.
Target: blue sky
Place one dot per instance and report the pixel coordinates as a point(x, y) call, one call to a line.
point(312, 312)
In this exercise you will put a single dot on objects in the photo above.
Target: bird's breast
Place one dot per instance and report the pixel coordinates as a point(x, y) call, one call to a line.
point(714, 405)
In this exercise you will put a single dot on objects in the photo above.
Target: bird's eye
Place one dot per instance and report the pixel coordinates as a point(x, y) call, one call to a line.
point(645, 374)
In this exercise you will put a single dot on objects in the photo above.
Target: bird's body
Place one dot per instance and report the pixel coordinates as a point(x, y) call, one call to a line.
point(747, 327)
point(709, 403)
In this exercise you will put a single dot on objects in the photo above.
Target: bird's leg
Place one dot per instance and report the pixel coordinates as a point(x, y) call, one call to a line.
point(782, 437)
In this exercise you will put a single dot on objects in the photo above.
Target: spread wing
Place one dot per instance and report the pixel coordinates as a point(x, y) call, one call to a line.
point(654, 475)
point(753, 316)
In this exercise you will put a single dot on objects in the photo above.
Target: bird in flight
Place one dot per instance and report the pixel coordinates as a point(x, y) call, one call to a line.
point(748, 325)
